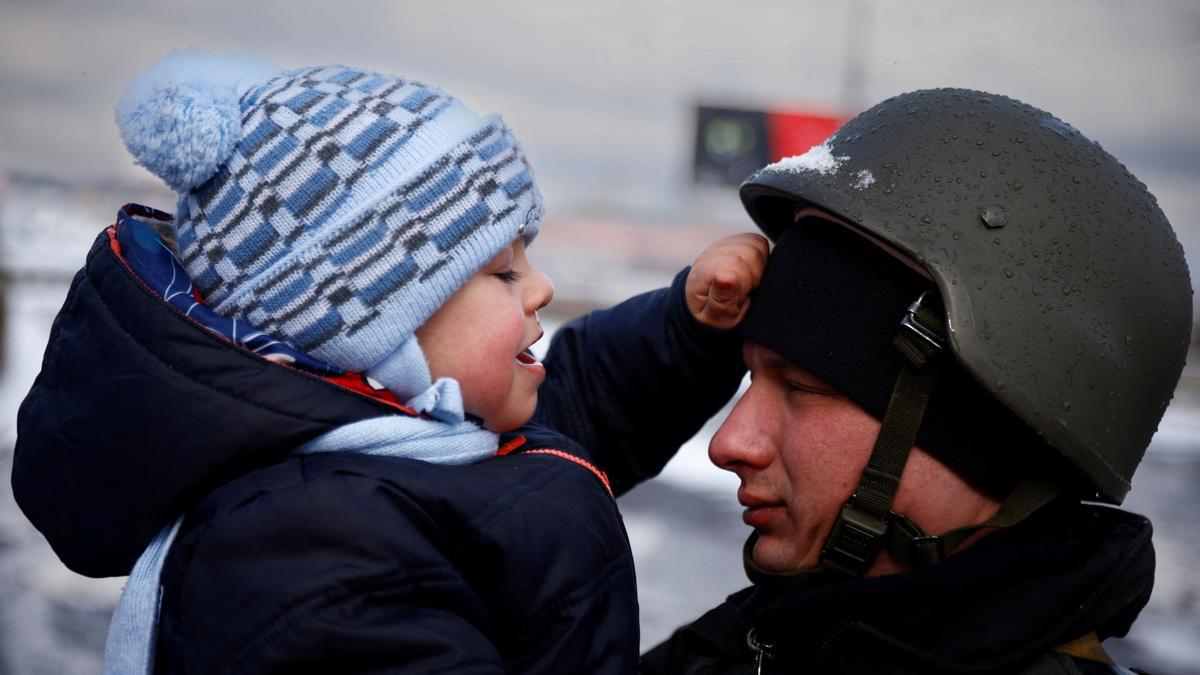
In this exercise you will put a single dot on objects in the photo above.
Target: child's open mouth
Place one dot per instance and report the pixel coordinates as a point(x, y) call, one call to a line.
point(527, 362)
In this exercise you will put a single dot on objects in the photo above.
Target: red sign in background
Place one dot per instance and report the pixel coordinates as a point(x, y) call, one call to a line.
point(793, 133)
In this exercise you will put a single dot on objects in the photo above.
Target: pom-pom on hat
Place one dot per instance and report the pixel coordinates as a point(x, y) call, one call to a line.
point(180, 118)
point(334, 208)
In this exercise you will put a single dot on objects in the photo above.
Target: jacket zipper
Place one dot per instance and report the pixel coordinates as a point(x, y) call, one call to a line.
point(762, 650)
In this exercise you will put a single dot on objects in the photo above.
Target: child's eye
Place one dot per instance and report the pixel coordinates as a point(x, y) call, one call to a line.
point(509, 276)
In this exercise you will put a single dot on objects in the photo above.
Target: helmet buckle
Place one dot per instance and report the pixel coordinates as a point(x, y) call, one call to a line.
point(926, 550)
point(854, 541)
point(934, 342)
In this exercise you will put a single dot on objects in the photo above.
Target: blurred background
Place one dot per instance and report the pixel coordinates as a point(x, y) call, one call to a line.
point(639, 118)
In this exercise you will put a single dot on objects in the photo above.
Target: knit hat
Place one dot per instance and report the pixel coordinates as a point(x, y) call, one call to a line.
point(334, 208)
point(831, 302)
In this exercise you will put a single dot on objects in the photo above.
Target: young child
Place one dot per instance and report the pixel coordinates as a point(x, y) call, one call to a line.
point(316, 424)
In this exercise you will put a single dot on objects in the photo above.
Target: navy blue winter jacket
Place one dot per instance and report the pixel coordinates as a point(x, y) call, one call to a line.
point(345, 562)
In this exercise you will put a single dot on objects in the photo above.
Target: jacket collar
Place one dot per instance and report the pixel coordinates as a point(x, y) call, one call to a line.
point(142, 406)
point(1069, 570)
point(137, 239)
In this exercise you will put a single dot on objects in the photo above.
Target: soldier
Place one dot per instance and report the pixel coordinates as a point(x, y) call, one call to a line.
point(968, 331)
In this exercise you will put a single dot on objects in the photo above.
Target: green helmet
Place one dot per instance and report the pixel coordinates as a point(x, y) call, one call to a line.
point(1066, 292)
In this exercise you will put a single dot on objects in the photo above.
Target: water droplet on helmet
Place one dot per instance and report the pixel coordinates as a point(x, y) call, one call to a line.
point(1017, 185)
point(1008, 272)
point(995, 216)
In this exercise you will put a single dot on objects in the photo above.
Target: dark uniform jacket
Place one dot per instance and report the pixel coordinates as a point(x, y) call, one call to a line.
point(343, 562)
point(1003, 605)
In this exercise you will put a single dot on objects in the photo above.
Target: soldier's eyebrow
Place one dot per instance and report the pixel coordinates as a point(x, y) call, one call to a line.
point(776, 361)
point(773, 361)
point(779, 362)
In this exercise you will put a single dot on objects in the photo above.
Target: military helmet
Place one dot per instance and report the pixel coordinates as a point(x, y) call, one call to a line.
point(1065, 291)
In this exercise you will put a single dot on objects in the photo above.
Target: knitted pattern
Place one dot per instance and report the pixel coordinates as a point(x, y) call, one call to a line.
point(352, 207)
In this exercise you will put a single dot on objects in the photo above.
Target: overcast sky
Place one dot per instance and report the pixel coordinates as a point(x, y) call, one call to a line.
point(601, 93)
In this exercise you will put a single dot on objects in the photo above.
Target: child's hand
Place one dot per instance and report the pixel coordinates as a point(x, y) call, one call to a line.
point(719, 284)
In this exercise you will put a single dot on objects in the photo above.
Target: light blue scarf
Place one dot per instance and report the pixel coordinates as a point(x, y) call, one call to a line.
point(446, 439)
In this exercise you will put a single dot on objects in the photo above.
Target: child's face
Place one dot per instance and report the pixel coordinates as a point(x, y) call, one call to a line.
point(477, 337)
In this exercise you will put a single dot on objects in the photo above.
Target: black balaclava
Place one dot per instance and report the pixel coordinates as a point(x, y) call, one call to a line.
point(832, 301)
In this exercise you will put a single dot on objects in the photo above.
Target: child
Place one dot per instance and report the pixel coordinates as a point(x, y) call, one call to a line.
point(324, 403)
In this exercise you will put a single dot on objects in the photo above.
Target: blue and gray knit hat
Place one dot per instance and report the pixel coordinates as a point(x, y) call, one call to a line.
point(334, 208)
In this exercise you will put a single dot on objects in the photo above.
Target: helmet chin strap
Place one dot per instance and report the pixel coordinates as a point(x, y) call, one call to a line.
point(867, 524)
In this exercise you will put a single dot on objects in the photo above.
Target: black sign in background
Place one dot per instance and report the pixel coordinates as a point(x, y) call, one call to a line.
point(730, 145)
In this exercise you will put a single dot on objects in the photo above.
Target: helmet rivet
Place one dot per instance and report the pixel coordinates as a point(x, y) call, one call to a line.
point(995, 216)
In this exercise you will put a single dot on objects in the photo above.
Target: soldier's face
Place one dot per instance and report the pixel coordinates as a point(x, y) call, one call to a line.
point(799, 447)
